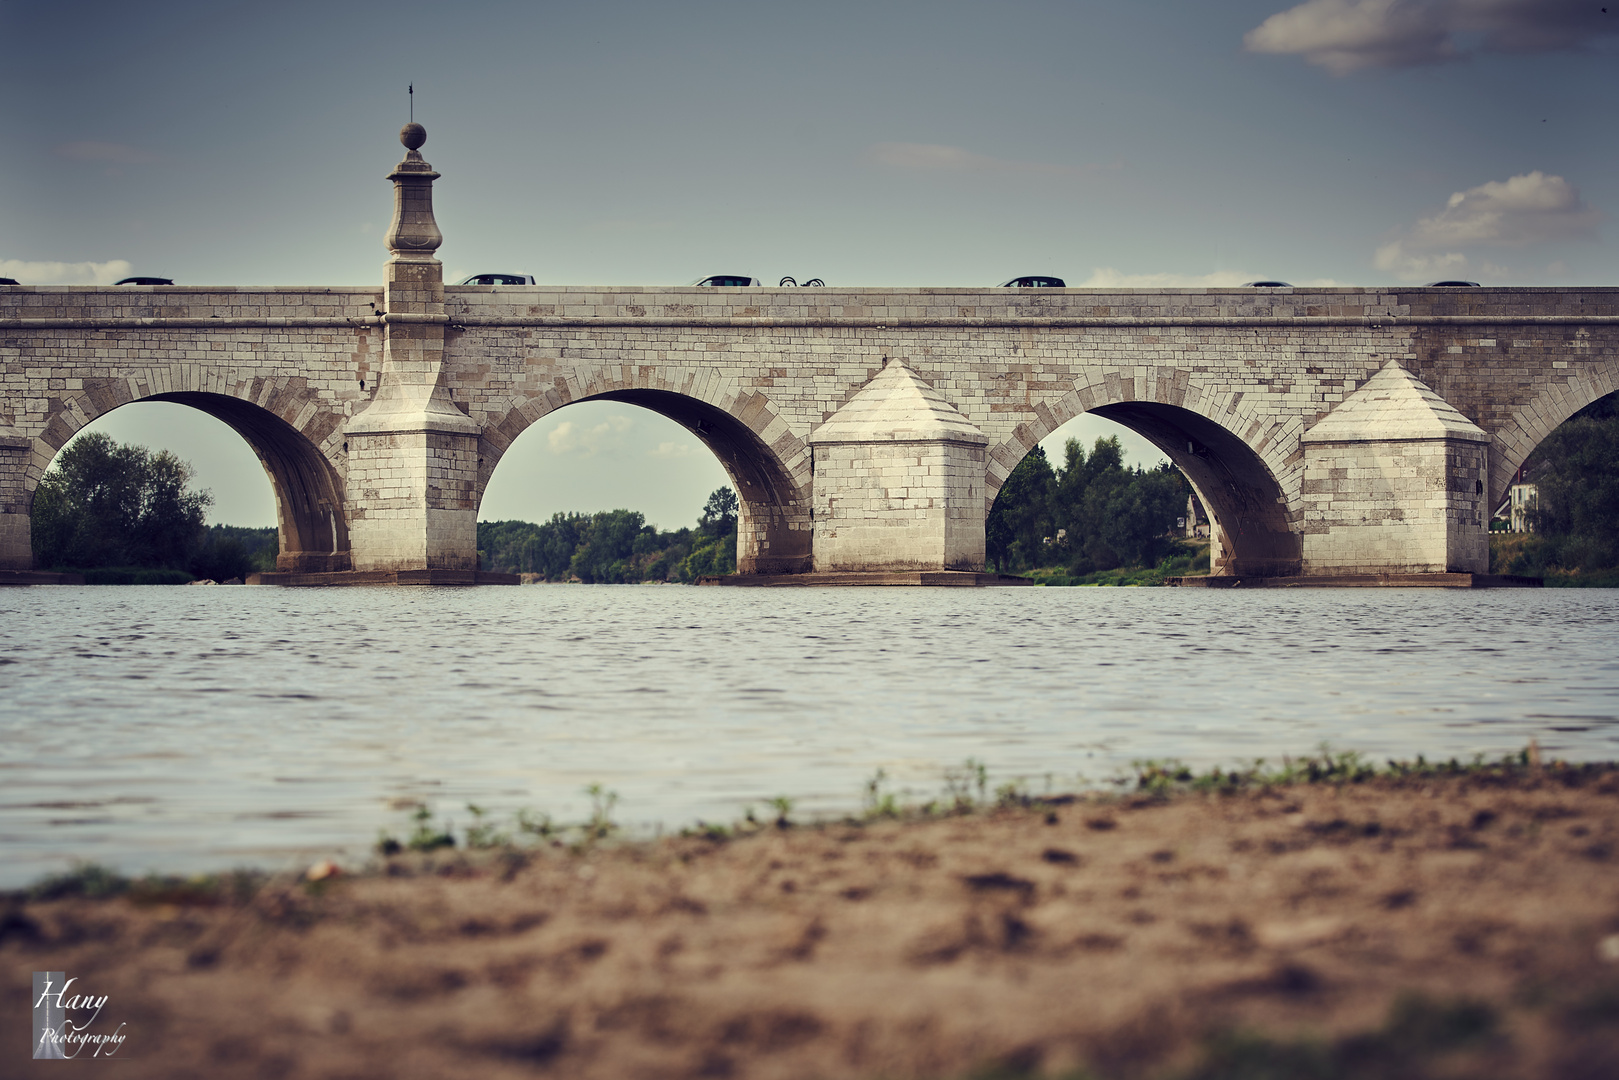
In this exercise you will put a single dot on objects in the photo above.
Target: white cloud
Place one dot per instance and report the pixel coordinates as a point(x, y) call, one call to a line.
point(105, 153)
point(675, 450)
point(1393, 258)
point(62, 273)
point(567, 438)
point(1108, 278)
point(930, 158)
point(1529, 209)
point(1348, 35)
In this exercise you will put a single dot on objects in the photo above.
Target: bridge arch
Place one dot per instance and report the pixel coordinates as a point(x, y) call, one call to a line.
point(767, 463)
point(1244, 467)
point(295, 436)
point(1531, 422)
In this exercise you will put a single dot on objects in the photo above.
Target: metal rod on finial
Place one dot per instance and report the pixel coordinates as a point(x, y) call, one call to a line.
point(412, 93)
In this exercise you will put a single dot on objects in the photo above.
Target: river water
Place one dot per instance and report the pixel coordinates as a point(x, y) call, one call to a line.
point(188, 729)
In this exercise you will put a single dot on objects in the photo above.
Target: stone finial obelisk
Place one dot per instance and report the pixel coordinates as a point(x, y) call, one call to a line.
point(413, 235)
point(413, 454)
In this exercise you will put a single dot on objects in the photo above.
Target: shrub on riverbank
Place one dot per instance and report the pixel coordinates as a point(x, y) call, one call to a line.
point(1189, 558)
point(967, 791)
point(1562, 562)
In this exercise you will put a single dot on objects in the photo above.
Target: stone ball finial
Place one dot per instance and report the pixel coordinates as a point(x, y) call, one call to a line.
point(413, 135)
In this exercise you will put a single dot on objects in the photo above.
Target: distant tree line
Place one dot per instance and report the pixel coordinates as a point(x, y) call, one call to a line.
point(122, 512)
point(1092, 514)
point(1576, 523)
point(126, 515)
point(614, 546)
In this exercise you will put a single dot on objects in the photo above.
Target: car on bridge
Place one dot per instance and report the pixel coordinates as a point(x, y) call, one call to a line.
point(734, 280)
point(1453, 285)
point(145, 281)
point(1267, 285)
point(498, 279)
point(9, 281)
point(1034, 281)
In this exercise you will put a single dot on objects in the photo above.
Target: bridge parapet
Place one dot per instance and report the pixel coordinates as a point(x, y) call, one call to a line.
point(30, 307)
point(944, 306)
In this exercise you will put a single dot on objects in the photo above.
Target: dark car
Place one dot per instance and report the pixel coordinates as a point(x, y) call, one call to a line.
point(499, 279)
point(145, 281)
point(1452, 285)
point(734, 280)
point(1267, 285)
point(9, 281)
point(1035, 281)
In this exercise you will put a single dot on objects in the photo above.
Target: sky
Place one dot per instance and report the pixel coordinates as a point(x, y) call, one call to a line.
point(1353, 142)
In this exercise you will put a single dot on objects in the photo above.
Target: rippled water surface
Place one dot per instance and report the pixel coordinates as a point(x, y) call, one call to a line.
point(181, 729)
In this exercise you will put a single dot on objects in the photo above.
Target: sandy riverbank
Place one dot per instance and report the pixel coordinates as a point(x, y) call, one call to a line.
point(1442, 926)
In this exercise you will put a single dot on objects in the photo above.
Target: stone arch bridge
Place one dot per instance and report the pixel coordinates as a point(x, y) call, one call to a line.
point(1329, 431)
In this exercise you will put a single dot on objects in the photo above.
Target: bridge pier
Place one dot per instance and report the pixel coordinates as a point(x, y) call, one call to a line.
point(412, 454)
point(16, 534)
point(899, 481)
point(1395, 482)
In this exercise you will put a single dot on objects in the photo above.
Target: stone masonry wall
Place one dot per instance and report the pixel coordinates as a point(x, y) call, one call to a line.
point(1519, 382)
point(70, 354)
point(1406, 507)
point(1263, 364)
point(882, 505)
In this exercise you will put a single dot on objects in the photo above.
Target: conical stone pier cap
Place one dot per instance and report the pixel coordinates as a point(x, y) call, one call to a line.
point(898, 406)
point(1394, 406)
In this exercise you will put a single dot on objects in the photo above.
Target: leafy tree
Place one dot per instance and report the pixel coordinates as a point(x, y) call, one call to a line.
point(614, 546)
point(607, 552)
point(714, 556)
point(1020, 519)
point(1577, 471)
point(521, 547)
point(103, 504)
point(1093, 514)
point(234, 551)
point(1114, 516)
point(1579, 487)
point(720, 513)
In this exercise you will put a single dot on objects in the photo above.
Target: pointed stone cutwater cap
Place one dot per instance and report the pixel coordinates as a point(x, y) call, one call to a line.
point(897, 406)
point(1394, 406)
